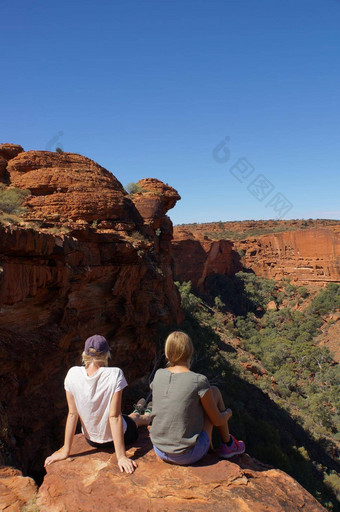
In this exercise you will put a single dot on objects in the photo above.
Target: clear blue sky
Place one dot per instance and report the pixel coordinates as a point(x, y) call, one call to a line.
point(149, 88)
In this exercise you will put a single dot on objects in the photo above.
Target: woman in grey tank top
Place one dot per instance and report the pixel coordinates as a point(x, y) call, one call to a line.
point(185, 408)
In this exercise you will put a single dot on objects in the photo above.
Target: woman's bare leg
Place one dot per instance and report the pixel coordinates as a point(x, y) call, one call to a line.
point(208, 426)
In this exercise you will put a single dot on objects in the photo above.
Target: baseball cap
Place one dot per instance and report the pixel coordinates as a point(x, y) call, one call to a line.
point(98, 343)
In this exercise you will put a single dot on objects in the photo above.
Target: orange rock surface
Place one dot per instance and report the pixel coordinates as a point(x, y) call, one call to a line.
point(67, 187)
point(195, 259)
point(154, 201)
point(16, 491)
point(90, 480)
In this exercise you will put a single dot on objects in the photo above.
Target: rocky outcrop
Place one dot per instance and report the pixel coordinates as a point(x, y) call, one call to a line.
point(7, 152)
point(196, 259)
point(154, 200)
point(305, 254)
point(68, 187)
point(92, 264)
point(16, 492)
point(89, 477)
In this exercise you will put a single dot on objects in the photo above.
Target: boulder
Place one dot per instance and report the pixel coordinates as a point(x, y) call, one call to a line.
point(154, 200)
point(8, 151)
point(67, 186)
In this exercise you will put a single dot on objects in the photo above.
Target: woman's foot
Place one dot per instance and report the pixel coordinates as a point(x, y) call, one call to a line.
point(139, 406)
point(229, 450)
point(148, 409)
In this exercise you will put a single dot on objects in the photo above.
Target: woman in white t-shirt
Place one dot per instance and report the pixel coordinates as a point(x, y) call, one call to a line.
point(94, 394)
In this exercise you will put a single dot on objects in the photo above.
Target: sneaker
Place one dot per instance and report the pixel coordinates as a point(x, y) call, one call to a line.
point(236, 448)
point(139, 406)
point(148, 408)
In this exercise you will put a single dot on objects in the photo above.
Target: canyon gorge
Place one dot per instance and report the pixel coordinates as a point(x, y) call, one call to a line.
point(84, 257)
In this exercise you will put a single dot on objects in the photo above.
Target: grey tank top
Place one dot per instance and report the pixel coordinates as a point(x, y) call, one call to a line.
point(177, 413)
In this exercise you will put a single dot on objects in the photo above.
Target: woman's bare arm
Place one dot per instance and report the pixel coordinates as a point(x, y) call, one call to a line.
point(116, 425)
point(209, 405)
point(70, 428)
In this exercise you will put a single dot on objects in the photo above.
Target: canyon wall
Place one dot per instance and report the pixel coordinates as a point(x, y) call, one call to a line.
point(310, 256)
point(196, 259)
point(82, 260)
point(305, 254)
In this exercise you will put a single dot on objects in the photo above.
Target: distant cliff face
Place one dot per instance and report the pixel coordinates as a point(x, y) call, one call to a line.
point(196, 259)
point(305, 256)
point(87, 258)
point(306, 252)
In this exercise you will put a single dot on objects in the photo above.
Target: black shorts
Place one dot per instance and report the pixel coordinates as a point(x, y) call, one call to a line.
point(130, 436)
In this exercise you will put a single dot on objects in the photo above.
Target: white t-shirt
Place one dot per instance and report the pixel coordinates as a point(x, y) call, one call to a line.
point(93, 397)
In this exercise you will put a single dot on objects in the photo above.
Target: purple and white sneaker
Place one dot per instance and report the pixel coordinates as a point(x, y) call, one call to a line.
point(236, 448)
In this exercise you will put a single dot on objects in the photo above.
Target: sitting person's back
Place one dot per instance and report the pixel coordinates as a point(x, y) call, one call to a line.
point(177, 410)
point(185, 409)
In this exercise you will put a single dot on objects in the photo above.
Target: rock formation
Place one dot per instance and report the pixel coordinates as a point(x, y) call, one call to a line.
point(83, 260)
point(90, 477)
point(195, 259)
point(305, 254)
point(16, 492)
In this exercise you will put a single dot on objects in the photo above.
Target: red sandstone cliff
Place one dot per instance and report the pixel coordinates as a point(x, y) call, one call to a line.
point(195, 259)
point(89, 263)
point(306, 254)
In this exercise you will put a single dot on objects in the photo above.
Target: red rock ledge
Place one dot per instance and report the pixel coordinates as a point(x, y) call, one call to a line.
point(89, 481)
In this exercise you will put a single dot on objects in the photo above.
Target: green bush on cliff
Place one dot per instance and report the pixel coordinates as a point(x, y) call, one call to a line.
point(134, 188)
point(11, 200)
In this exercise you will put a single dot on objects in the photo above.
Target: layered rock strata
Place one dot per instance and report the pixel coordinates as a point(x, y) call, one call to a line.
point(306, 256)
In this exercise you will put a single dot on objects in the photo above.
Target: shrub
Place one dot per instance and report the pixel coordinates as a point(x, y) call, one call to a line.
point(11, 200)
point(59, 150)
point(189, 301)
point(134, 188)
point(219, 303)
point(257, 290)
point(137, 235)
point(328, 300)
point(303, 292)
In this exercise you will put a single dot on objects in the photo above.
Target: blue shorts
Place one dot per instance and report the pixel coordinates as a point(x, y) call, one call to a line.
point(189, 457)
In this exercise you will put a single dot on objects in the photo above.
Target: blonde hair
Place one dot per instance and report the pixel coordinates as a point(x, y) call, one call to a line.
point(95, 356)
point(178, 348)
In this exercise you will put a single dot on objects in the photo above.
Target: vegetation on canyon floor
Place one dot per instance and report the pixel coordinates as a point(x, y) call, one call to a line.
point(283, 387)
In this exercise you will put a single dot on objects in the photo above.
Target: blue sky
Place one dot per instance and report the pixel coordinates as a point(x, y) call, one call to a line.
point(150, 89)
